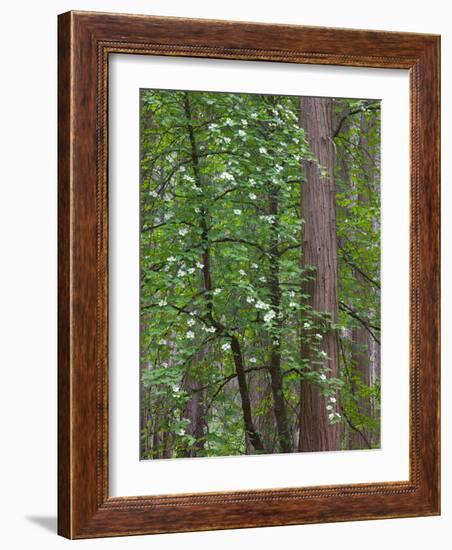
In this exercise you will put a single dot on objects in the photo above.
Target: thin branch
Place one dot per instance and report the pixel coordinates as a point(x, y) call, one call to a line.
point(287, 248)
point(223, 384)
point(347, 260)
point(241, 241)
point(357, 430)
point(368, 326)
point(374, 107)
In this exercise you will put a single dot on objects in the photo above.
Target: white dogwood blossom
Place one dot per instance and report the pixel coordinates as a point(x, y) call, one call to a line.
point(226, 176)
point(269, 316)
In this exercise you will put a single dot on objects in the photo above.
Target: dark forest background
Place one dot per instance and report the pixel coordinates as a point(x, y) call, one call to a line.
point(260, 274)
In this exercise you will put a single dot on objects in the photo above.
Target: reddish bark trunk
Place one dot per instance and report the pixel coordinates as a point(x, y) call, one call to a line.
point(319, 250)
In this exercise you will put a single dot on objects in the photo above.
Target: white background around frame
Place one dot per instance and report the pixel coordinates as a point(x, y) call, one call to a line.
point(28, 318)
point(128, 475)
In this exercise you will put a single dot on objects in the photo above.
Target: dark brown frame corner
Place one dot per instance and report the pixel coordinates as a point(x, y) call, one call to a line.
point(85, 41)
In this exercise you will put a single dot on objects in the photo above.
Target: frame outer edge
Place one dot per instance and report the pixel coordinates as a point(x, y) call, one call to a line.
point(82, 512)
point(431, 268)
point(64, 277)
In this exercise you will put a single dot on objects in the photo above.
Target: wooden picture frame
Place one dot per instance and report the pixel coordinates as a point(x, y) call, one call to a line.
point(86, 40)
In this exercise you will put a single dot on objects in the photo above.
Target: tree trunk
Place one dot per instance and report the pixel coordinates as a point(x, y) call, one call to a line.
point(250, 430)
point(319, 250)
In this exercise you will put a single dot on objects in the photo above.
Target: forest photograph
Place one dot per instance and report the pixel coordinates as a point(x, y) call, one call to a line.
point(259, 274)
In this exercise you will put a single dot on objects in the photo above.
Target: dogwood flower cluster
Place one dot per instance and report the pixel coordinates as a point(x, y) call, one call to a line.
point(269, 218)
point(262, 305)
point(269, 316)
point(227, 176)
point(332, 415)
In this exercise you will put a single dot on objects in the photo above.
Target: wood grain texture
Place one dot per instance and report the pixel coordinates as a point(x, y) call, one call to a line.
point(85, 42)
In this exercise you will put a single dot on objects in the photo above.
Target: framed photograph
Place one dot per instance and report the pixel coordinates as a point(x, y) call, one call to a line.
point(248, 275)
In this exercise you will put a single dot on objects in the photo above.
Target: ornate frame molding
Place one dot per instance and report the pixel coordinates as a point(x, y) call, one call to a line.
point(85, 42)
